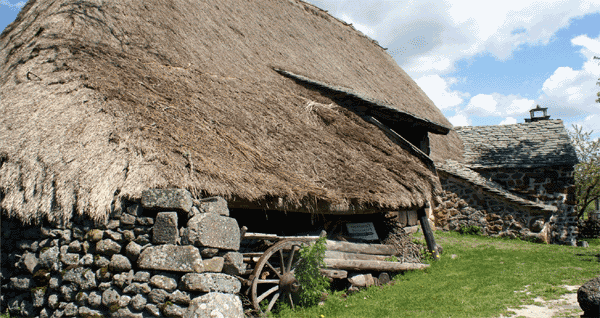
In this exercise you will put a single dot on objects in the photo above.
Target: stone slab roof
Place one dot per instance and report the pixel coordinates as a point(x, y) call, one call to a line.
point(525, 145)
point(462, 172)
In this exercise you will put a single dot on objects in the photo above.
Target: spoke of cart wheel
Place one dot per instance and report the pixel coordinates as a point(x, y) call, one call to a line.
point(267, 293)
point(281, 262)
point(273, 269)
point(268, 281)
point(273, 301)
point(289, 265)
point(291, 301)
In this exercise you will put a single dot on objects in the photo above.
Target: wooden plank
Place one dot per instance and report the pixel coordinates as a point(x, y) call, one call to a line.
point(344, 255)
point(381, 266)
point(333, 273)
point(362, 248)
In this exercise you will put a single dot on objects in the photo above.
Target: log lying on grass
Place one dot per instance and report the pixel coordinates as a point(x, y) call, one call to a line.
point(364, 265)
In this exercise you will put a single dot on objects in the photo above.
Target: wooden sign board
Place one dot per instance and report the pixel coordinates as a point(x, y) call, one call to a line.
point(363, 231)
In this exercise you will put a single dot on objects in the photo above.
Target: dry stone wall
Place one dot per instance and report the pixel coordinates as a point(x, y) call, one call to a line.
point(166, 256)
point(462, 205)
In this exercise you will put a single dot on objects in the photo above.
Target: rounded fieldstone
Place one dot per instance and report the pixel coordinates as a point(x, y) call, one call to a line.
point(142, 277)
point(124, 301)
point(137, 288)
point(133, 250)
point(119, 263)
point(138, 302)
point(163, 282)
point(588, 296)
point(110, 297)
point(172, 310)
point(87, 260)
point(158, 296)
point(53, 301)
point(153, 310)
point(94, 300)
point(108, 247)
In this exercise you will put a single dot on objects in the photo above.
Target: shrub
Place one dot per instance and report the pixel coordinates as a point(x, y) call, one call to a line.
point(314, 285)
point(470, 230)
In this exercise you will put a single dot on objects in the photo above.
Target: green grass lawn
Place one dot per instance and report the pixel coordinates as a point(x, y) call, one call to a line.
point(485, 277)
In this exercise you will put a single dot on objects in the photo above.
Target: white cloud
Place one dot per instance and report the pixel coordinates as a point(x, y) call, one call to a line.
point(429, 37)
point(508, 121)
point(438, 90)
point(482, 105)
point(460, 120)
point(572, 93)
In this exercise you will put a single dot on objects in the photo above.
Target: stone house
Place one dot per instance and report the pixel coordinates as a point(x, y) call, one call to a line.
point(515, 180)
point(137, 137)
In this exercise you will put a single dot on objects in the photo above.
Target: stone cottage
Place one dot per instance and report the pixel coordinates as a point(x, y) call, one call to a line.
point(137, 137)
point(515, 180)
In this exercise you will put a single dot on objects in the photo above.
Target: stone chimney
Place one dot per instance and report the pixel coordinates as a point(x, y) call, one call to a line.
point(534, 118)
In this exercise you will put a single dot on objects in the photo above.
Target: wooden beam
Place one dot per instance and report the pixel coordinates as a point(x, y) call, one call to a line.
point(362, 248)
point(380, 266)
point(428, 233)
point(365, 257)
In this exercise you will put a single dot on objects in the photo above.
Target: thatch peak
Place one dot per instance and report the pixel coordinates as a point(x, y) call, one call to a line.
point(103, 99)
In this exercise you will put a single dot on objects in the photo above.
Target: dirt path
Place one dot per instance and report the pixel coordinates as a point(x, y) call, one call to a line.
point(566, 306)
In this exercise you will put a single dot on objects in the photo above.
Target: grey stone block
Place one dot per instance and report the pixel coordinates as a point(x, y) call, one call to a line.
point(180, 297)
point(110, 297)
point(212, 230)
point(165, 228)
point(171, 258)
point(216, 205)
point(172, 310)
point(158, 296)
point(119, 263)
point(125, 313)
point(138, 302)
point(163, 282)
point(214, 264)
point(133, 250)
point(234, 263)
point(137, 288)
point(94, 300)
point(83, 278)
point(49, 257)
point(152, 310)
point(21, 283)
point(179, 199)
point(141, 277)
point(108, 247)
point(69, 259)
point(209, 282)
point(216, 305)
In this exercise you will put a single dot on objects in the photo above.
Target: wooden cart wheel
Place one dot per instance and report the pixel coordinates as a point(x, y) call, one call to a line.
point(273, 277)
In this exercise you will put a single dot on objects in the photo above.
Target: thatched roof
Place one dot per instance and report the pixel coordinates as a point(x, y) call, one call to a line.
point(103, 99)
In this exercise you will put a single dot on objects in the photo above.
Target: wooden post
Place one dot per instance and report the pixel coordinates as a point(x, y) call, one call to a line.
point(428, 233)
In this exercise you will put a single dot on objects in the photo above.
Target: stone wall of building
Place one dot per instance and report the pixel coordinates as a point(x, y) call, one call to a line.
point(462, 204)
point(549, 185)
point(166, 256)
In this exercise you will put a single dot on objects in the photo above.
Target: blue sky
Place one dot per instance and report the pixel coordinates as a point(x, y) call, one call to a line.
point(482, 63)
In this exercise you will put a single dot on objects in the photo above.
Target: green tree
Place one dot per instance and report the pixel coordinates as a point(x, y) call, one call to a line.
point(587, 171)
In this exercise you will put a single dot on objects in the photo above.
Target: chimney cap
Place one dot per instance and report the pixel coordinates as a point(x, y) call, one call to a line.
point(533, 118)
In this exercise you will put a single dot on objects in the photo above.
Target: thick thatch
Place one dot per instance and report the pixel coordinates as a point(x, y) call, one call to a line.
point(102, 99)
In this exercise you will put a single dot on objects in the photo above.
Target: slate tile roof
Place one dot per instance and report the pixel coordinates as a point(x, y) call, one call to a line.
point(525, 145)
point(460, 171)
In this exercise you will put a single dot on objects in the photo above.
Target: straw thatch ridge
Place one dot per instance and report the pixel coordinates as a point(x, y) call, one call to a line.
point(396, 115)
point(103, 99)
